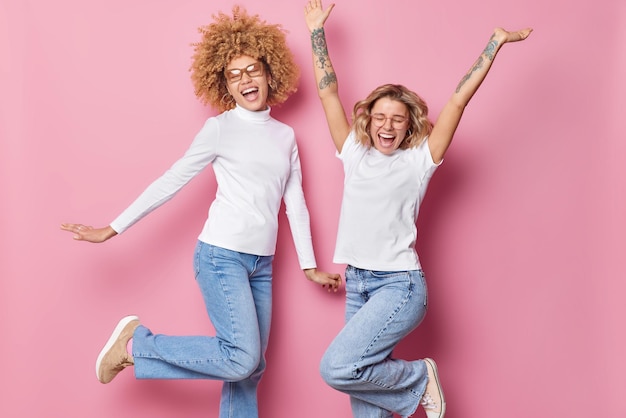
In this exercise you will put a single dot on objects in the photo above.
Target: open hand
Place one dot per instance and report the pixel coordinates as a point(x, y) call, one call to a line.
point(506, 36)
point(315, 15)
point(89, 233)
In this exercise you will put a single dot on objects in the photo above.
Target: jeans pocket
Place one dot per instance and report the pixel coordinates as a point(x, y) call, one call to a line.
point(196, 259)
point(422, 281)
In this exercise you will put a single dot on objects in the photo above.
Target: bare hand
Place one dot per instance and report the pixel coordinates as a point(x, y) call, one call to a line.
point(504, 36)
point(332, 281)
point(315, 15)
point(89, 233)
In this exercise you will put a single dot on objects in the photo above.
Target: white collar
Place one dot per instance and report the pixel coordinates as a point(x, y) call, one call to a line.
point(254, 116)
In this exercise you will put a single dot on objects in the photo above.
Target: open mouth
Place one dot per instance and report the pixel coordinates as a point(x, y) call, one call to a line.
point(386, 140)
point(250, 94)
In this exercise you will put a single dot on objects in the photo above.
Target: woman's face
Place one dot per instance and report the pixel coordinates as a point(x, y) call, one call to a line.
point(389, 124)
point(248, 82)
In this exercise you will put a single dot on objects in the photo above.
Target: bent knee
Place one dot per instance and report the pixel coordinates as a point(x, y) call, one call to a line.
point(248, 369)
point(244, 365)
point(335, 375)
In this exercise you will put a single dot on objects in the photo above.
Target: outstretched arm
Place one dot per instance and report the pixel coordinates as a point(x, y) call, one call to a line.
point(325, 76)
point(450, 116)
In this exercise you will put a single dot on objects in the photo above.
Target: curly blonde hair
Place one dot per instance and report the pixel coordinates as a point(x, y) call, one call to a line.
point(228, 38)
point(419, 127)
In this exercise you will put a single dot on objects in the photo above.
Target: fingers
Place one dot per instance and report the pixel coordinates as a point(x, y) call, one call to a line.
point(515, 36)
point(312, 4)
point(67, 227)
point(317, 5)
point(77, 229)
point(333, 283)
point(520, 35)
point(330, 281)
point(523, 34)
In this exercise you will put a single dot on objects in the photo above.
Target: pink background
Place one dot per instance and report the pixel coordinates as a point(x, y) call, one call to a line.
point(521, 235)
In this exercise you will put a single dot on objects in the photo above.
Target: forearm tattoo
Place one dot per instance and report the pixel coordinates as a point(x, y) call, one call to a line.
point(489, 52)
point(490, 49)
point(327, 80)
point(320, 52)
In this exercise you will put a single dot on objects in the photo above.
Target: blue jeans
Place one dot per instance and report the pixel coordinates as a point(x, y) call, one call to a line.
point(381, 309)
point(237, 291)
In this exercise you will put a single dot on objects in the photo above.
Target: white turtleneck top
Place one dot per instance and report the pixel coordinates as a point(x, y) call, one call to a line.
point(256, 163)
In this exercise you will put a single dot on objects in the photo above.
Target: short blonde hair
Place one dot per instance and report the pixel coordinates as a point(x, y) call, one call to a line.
point(419, 127)
point(228, 38)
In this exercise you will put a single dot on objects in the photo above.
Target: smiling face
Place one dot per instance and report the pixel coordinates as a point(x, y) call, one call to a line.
point(389, 124)
point(251, 90)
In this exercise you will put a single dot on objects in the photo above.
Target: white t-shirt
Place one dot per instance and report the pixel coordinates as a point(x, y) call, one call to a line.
point(381, 200)
point(256, 163)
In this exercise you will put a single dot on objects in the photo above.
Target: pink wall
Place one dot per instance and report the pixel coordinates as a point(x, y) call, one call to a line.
point(521, 235)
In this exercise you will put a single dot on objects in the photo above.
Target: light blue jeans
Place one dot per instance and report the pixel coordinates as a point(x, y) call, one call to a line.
point(237, 291)
point(381, 309)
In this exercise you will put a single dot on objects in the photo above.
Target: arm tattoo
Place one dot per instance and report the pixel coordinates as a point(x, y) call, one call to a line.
point(476, 67)
point(489, 52)
point(327, 80)
point(320, 50)
point(490, 49)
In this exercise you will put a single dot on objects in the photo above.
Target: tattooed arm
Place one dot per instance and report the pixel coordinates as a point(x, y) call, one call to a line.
point(450, 116)
point(325, 76)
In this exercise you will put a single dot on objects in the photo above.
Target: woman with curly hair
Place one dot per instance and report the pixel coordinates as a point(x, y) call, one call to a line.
point(241, 66)
point(389, 155)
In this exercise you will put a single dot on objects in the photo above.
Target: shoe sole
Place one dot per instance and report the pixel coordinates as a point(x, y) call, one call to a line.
point(436, 373)
point(114, 336)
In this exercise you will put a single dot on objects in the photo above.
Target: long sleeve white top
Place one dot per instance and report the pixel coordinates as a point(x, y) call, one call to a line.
point(256, 164)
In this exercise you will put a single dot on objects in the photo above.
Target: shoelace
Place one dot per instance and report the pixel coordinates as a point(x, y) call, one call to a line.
point(428, 402)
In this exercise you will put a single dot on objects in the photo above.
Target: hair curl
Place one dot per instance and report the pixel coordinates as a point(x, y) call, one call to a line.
point(419, 127)
point(228, 38)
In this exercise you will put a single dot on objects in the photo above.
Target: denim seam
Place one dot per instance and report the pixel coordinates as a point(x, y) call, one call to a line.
point(220, 279)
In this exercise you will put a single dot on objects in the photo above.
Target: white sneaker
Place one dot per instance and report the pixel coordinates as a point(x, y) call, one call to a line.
point(433, 401)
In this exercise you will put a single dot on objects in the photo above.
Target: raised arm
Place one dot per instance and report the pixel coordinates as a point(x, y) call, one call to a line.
point(325, 77)
point(450, 116)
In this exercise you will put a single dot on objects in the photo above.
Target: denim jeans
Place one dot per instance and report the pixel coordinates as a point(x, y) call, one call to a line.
point(381, 309)
point(237, 291)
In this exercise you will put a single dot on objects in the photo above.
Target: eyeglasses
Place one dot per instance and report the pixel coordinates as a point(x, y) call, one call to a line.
point(397, 122)
point(253, 70)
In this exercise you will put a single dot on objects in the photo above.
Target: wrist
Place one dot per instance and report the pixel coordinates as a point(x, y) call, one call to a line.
point(110, 232)
point(317, 31)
